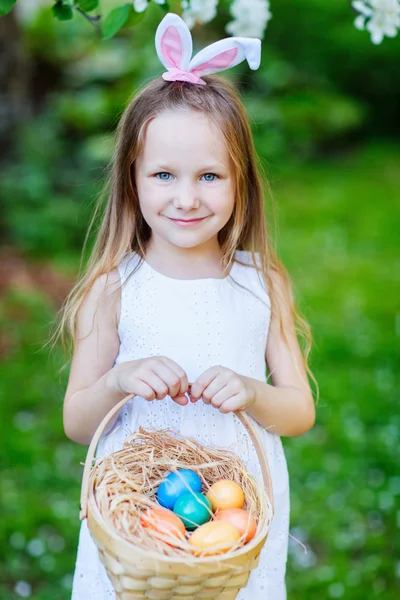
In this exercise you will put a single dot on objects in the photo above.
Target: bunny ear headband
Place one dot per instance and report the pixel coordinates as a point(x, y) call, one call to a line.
point(174, 48)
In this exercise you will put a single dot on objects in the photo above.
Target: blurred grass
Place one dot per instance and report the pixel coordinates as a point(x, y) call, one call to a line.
point(338, 221)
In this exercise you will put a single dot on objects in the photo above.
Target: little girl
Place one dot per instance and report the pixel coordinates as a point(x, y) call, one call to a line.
point(184, 288)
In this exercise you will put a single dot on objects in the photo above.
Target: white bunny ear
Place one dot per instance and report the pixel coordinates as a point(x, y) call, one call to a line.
point(225, 54)
point(174, 42)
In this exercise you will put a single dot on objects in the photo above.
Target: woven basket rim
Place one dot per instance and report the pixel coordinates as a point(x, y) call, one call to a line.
point(96, 514)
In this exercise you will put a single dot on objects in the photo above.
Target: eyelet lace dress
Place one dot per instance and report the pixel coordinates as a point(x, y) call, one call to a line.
point(198, 323)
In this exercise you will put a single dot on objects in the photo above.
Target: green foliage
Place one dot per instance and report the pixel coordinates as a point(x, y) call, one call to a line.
point(115, 20)
point(62, 11)
point(320, 39)
point(43, 207)
point(338, 222)
point(134, 18)
point(6, 6)
point(87, 5)
point(299, 120)
point(40, 466)
point(165, 7)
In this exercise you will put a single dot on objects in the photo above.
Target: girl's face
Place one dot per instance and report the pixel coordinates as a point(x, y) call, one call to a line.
point(185, 180)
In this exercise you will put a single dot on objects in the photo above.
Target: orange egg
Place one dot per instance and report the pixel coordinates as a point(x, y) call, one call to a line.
point(215, 537)
point(225, 494)
point(241, 519)
point(163, 521)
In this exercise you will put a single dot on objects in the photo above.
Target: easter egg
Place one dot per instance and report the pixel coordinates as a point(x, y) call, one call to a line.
point(175, 484)
point(193, 509)
point(163, 521)
point(215, 537)
point(225, 494)
point(241, 519)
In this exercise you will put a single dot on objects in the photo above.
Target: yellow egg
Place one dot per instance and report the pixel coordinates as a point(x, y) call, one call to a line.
point(225, 494)
point(215, 537)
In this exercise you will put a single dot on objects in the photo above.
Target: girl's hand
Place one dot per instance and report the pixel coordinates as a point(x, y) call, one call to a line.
point(224, 389)
point(151, 378)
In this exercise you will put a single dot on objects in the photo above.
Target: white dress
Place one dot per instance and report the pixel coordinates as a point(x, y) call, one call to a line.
point(198, 323)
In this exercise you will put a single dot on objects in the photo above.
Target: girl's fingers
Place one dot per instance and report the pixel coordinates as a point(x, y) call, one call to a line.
point(155, 382)
point(179, 373)
point(141, 388)
point(193, 400)
point(232, 404)
point(169, 378)
point(220, 397)
point(215, 387)
point(181, 400)
point(203, 382)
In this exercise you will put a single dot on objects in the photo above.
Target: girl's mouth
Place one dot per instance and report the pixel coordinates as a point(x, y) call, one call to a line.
point(187, 222)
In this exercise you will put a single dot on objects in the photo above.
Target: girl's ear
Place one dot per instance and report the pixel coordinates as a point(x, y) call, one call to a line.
point(174, 42)
point(225, 54)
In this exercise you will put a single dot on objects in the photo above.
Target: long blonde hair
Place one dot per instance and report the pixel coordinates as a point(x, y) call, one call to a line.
point(123, 229)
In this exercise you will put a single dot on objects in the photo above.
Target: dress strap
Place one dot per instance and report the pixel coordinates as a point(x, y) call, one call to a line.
point(126, 266)
point(251, 277)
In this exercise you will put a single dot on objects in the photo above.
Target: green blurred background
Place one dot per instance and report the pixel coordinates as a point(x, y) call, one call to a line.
point(324, 111)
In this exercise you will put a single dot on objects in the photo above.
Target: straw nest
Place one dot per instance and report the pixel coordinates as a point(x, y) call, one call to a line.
point(125, 484)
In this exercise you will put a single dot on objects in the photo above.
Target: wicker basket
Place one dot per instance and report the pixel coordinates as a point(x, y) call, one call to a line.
point(138, 573)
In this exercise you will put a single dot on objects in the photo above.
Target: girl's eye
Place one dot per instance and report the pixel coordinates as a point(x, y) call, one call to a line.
point(163, 178)
point(212, 175)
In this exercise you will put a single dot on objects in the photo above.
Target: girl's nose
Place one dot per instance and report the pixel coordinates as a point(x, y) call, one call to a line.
point(186, 198)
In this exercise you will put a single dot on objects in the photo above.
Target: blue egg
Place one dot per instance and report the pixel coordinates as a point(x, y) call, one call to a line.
point(175, 484)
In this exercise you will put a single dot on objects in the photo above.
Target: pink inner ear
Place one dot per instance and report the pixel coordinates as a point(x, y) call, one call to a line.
point(171, 46)
point(221, 61)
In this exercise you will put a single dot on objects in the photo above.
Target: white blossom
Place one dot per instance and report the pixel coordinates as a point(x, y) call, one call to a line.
point(250, 18)
point(26, 10)
point(23, 589)
point(379, 17)
point(198, 11)
point(141, 5)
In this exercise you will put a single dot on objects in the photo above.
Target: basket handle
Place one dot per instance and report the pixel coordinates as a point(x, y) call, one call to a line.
point(241, 415)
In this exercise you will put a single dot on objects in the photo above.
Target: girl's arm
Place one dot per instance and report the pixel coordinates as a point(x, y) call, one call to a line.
point(286, 407)
point(95, 385)
point(90, 396)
